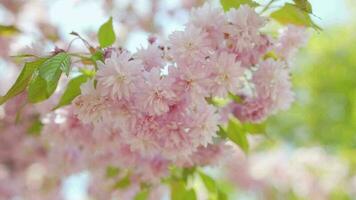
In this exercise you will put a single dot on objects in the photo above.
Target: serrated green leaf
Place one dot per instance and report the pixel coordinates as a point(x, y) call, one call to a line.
point(72, 90)
point(228, 4)
point(46, 79)
point(106, 34)
point(292, 14)
point(60, 61)
point(37, 89)
point(236, 133)
point(22, 80)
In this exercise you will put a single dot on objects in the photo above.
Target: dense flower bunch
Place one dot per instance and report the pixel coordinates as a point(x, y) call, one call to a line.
point(141, 113)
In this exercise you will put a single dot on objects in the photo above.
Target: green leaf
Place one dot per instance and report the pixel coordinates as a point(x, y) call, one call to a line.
point(292, 14)
point(304, 5)
point(72, 90)
point(190, 195)
point(123, 183)
point(237, 134)
point(37, 91)
point(235, 98)
point(209, 182)
point(228, 4)
point(98, 55)
point(180, 192)
point(254, 128)
point(142, 195)
point(35, 129)
point(106, 34)
point(111, 171)
point(45, 80)
point(222, 195)
point(60, 61)
point(22, 80)
point(8, 30)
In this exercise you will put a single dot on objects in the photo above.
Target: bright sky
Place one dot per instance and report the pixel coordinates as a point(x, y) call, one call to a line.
point(89, 16)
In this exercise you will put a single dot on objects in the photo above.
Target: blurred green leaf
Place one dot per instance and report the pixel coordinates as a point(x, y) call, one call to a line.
point(123, 183)
point(22, 80)
point(142, 195)
point(8, 30)
point(106, 34)
point(304, 5)
point(209, 182)
point(212, 186)
point(236, 133)
point(292, 14)
point(112, 172)
point(36, 128)
point(228, 4)
point(72, 90)
point(98, 55)
point(179, 191)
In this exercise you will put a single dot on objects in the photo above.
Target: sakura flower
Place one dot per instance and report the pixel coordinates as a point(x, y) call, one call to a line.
point(243, 36)
point(227, 75)
point(273, 93)
point(291, 38)
point(190, 45)
point(203, 123)
point(150, 56)
point(272, 82)
point(90, 106)
point(156, 94)
point(141, 135)
point(191, 82)
point(255, 110)
point(212, 154)
point(118, 76)
point(202, 18)
point(245, 19)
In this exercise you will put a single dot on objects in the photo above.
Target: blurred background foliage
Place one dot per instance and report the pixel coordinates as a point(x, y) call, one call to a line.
point(324, 77)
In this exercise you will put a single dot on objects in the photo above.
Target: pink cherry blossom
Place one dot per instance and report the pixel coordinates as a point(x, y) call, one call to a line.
point(119, 74)
point(290, 40)
point(190, 45)
point(150, 56)
point(227, 75)
point(90, 106)
point(155, 93)
point(201, 17)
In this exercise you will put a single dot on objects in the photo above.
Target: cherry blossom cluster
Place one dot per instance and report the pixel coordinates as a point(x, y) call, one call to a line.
point(156, 99)
point(150, 108)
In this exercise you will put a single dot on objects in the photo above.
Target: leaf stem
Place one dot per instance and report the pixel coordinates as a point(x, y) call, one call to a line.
point(267, 6)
